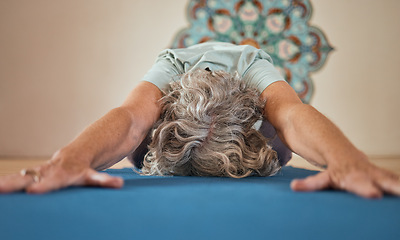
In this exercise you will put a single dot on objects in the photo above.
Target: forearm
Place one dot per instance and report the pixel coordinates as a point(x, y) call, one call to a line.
point(74, 164)
point(118, 133)
point(106, 141)
point(317, 139)
point(314, 137)
point(99, 146)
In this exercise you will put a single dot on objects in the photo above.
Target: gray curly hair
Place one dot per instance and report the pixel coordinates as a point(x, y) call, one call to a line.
point(206, 129)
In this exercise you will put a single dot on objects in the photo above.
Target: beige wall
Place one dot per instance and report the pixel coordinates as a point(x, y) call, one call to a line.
point(63, 64)
point(359, 87)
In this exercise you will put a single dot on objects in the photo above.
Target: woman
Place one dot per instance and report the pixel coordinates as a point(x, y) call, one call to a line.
point(300, 127)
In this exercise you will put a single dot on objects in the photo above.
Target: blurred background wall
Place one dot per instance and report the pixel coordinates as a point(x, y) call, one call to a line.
point(63, 64)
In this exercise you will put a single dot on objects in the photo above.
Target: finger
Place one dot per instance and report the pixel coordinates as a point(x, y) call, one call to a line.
point(53, 179)
point(312, 183)
point(60, 180)
point(362, 185)
point(94, 178)
point(47, 184)
point(389, 183)
point(14, 182)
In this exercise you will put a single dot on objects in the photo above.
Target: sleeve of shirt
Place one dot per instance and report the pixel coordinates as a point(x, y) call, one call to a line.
point(161, 73)
point(261, 73)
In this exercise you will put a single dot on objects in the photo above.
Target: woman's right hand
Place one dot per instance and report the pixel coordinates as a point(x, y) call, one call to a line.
point(55, 174)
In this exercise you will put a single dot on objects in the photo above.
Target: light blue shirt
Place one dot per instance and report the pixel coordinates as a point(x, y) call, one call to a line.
point(252, 64)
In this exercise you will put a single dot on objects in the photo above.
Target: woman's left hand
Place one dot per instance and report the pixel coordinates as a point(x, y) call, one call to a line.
point(359, 177)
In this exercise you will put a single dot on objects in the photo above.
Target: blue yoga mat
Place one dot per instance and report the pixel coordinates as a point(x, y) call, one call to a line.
point(198, 208)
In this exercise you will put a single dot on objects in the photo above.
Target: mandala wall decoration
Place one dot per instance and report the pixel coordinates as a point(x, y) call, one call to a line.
point(279, 27)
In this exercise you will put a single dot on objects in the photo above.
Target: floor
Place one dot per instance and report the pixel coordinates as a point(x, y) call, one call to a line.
point(13, 165)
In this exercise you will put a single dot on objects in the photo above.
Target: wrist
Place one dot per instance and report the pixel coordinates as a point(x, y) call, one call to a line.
point(344, 158)
point(69, 155)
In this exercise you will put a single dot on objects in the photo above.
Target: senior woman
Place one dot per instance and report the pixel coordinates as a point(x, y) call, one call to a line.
point(203, 103)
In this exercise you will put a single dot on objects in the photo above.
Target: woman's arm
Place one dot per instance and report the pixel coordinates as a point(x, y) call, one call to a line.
point(99, 146)
point(311, 135)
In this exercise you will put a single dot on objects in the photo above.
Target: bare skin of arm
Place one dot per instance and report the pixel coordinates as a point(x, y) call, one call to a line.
point(312, 136)
point(99, 146)
point(119, 132)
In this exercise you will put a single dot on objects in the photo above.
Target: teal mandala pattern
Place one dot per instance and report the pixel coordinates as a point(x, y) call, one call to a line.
point(279, 27)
